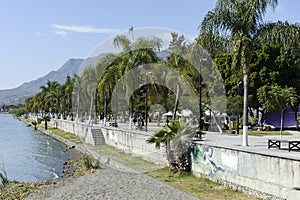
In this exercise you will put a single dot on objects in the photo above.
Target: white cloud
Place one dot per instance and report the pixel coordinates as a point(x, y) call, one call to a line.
point(83, 29)
point(61, 33)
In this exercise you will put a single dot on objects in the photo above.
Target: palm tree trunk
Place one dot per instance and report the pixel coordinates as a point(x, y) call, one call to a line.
point(245, 110)
point(168, 150)
point(91, 109)
point(170, 157)
point(176, 103)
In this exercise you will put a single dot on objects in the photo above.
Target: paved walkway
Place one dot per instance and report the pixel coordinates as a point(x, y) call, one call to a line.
point(256, 144)
point(113, 181)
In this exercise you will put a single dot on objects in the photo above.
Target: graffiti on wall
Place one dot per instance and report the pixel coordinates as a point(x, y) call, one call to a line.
point(203, 160)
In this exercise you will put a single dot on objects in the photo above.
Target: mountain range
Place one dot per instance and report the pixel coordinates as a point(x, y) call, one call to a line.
point(70, 68)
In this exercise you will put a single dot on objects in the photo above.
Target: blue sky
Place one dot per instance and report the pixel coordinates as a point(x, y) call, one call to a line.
point(37, 36)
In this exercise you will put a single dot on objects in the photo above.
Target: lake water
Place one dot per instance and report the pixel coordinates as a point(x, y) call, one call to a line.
point(28, 155)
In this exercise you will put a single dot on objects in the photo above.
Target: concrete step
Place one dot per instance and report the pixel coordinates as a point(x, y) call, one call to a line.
point(98, 137)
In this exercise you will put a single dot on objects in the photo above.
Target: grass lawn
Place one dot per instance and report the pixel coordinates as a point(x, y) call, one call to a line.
point(68, 136)
point(261, 133)
point(126, 159)
point(201, 188)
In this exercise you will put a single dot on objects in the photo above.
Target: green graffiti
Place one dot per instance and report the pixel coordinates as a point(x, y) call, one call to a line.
point(203, 161)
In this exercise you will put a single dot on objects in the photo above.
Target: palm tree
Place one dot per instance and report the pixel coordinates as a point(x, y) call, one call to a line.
point(240, 21)
point(279, 33)
point(133, 54)
point(89, 83)
point(174, 137)
point(28, 104)
point(46, 118)
point(51, 96)
point(67, 93)
point(165, 136)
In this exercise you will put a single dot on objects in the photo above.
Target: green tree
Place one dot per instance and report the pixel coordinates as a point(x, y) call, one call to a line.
point(239, 20)
point(270, 64)
point(276, 98)
point(134, 53)
point(165, 136)
point(66, 100)
point(51, 95)
point(46, 119)
point(173, 136)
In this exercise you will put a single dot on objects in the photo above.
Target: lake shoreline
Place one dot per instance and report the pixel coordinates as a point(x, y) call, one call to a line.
point(12, 190)
point(74, 154)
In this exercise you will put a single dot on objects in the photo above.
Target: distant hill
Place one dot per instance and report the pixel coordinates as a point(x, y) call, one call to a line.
point(17, 95)
point(70, 68)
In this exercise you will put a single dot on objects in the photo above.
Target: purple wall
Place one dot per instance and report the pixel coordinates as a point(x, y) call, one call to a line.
point(273, 119)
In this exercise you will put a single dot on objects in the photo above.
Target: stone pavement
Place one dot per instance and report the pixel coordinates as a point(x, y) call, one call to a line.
point(256, 144)
point(109, 183)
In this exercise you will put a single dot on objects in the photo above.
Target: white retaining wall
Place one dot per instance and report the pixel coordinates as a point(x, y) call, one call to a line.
point(247, 171)
point(132, 142)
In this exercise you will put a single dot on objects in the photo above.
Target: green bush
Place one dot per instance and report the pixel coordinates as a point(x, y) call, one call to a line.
point(90, 163)
point(3, 176)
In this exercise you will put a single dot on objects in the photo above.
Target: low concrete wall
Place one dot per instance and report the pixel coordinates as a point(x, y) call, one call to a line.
point(130, 141)
point(134, 143)
point(266, 176)
point(80, 129)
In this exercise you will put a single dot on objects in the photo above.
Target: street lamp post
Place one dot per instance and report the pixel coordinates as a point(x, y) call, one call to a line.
point(146, 103)
point(116, 116)
point(200, 95)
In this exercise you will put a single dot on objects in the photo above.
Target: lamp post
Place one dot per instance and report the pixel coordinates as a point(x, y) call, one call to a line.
point(146, 103)
point(116, 116)
point(96, 105)
point(200, 95)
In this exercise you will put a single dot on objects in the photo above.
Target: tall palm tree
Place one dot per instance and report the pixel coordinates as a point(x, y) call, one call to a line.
point(133, 54)
point(89, 83)
point(238, 20)
point(279, 33)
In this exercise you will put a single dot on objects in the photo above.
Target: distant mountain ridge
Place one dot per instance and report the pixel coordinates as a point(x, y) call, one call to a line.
point(70, 68)
point(18, 95)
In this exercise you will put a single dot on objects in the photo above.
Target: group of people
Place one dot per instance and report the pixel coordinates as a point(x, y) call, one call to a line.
point(138, 119)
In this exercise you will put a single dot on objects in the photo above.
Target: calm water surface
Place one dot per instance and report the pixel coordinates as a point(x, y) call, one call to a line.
point(28, 155)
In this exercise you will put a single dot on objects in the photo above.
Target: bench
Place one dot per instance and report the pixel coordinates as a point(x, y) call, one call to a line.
point(292, 144)
point(113, 124)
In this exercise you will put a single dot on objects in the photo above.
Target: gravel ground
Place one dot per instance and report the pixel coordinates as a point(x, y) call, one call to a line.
point(110, 183)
